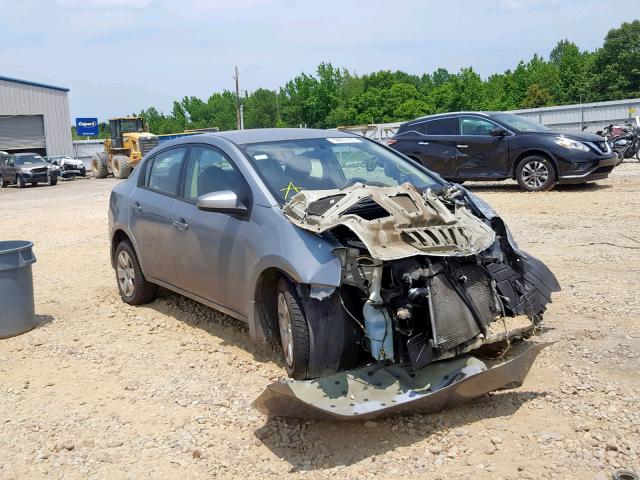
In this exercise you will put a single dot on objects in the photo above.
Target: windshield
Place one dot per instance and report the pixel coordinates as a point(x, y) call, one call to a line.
point(520, 123)
point(134, 125)
point(331, 163)
point(29, 160)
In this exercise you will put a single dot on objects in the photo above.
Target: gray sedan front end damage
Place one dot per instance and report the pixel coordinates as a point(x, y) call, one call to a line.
point(429, 278)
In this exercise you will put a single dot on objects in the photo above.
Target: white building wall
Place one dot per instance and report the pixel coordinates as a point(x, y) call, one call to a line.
point(53, 105)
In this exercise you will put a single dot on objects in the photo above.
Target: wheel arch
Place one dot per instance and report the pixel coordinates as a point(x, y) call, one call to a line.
point(530, 152)
point(118, 236)
point(263, 320)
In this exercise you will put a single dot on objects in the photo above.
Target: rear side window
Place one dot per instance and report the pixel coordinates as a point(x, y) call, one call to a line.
point(163, 175)
point(443, 126)
point(420, 127)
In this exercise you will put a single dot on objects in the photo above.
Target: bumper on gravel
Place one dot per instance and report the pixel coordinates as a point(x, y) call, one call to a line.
point(379, 390)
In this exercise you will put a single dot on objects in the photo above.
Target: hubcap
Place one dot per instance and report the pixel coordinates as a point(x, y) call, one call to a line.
point(535, 174)
point(126, 274)
point(284, 322)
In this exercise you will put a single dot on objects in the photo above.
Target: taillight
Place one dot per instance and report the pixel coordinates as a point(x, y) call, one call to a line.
point(391, 141)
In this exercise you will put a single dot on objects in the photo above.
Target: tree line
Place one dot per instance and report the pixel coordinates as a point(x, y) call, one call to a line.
point(336, 96)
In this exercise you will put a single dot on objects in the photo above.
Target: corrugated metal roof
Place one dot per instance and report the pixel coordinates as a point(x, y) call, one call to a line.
point(34, 84)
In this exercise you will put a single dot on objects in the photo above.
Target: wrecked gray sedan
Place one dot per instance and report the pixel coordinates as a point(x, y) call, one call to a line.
point(386, 287)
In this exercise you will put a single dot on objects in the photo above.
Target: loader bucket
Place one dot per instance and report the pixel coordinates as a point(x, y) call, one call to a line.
point(384, 389)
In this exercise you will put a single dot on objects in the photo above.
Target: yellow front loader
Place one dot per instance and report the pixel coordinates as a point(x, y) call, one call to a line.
point(128, 143)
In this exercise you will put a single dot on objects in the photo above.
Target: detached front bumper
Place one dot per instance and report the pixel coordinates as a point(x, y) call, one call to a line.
point(589, 171)
point(379, 390)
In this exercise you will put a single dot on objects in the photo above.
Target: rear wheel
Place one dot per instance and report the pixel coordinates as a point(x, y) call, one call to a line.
point(98, 167)
point(121, 167)
point(294, 330)
point(133, 287)
point(536, 174)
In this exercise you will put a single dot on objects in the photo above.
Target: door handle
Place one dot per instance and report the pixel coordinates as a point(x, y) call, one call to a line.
point(423, 143)
point(462, 146)
point(136, 207)
point(181, 224)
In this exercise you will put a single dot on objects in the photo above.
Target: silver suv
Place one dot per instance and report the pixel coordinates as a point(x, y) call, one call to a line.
point(338, 248)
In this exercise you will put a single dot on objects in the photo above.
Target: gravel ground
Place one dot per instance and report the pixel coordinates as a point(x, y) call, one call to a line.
point(104, 390)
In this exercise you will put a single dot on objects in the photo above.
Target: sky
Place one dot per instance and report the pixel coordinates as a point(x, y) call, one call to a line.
point(120, 56)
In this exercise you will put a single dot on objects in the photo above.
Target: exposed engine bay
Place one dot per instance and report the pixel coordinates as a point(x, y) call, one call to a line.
point(429, 275)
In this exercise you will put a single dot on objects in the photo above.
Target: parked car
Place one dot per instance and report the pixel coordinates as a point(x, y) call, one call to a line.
point(498, 146)
point(334, 246)
point(23, 169)
point(69, 167)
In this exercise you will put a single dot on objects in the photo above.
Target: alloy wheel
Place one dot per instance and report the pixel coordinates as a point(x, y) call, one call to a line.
point(286, 335)
point(126, 274)
point(535, 174)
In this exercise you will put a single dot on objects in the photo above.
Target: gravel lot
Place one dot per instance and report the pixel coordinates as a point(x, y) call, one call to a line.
point(104, 390)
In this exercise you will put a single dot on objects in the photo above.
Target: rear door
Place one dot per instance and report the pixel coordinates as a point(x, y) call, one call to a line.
point(151, 213)
point(480, 154)
point(439, 145)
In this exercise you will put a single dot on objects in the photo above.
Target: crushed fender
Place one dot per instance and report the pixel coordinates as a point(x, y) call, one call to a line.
point(385, 389)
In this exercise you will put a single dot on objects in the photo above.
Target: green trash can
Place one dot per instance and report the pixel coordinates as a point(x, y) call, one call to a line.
point(17, 311)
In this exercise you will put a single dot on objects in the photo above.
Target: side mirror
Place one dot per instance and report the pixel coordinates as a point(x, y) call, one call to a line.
point(498, 132)
point(224, 201)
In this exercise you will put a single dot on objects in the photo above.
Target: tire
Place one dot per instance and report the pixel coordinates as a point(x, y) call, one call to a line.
point(133, 287)
point(121, 167)
point(52, 181)
point(536, 174)
point(2, 182)
point(620, 158)
point(294, 330)
point(34, 184)
point(98, 167)
point(20, 182)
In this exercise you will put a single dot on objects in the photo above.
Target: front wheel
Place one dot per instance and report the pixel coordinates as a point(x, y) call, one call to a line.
point(120, 166)
point(20, 182)
point(51, 181)
point(536, 174)
point(294, 330)
point(133, 287)
point(2, 183)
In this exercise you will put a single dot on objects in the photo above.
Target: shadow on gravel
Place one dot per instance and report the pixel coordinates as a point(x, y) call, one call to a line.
point(230, 330)
point(42, 320)
point(513, 187)
point(311, 445)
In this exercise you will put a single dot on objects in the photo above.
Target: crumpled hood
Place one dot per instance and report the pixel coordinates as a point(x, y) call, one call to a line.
point(393, 222)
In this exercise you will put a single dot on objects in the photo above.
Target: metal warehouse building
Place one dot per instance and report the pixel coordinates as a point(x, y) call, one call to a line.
point(34, 118)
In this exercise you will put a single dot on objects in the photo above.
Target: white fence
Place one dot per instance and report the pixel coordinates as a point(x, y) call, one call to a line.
point(85, 149)
point(588, 116)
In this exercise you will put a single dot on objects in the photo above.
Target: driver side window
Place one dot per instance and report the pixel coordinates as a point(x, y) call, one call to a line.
point(208, 171)
point(475, 126)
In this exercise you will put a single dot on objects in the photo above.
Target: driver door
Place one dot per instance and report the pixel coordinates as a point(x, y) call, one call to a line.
point(211, 254)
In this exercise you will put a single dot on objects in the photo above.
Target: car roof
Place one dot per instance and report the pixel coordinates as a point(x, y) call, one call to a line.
point(449, 114)
point(260, 135)
point(22, 154)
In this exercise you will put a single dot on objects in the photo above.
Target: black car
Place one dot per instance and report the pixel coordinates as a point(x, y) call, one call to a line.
point(497, 146)
point(26, 168)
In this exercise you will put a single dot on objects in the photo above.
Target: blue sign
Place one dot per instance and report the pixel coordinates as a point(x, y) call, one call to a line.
point(86, 127)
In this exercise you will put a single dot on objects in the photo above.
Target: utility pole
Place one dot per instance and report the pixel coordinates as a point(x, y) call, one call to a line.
point(238, 113)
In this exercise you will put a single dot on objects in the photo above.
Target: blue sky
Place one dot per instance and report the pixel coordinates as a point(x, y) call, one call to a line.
point(119, 56)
